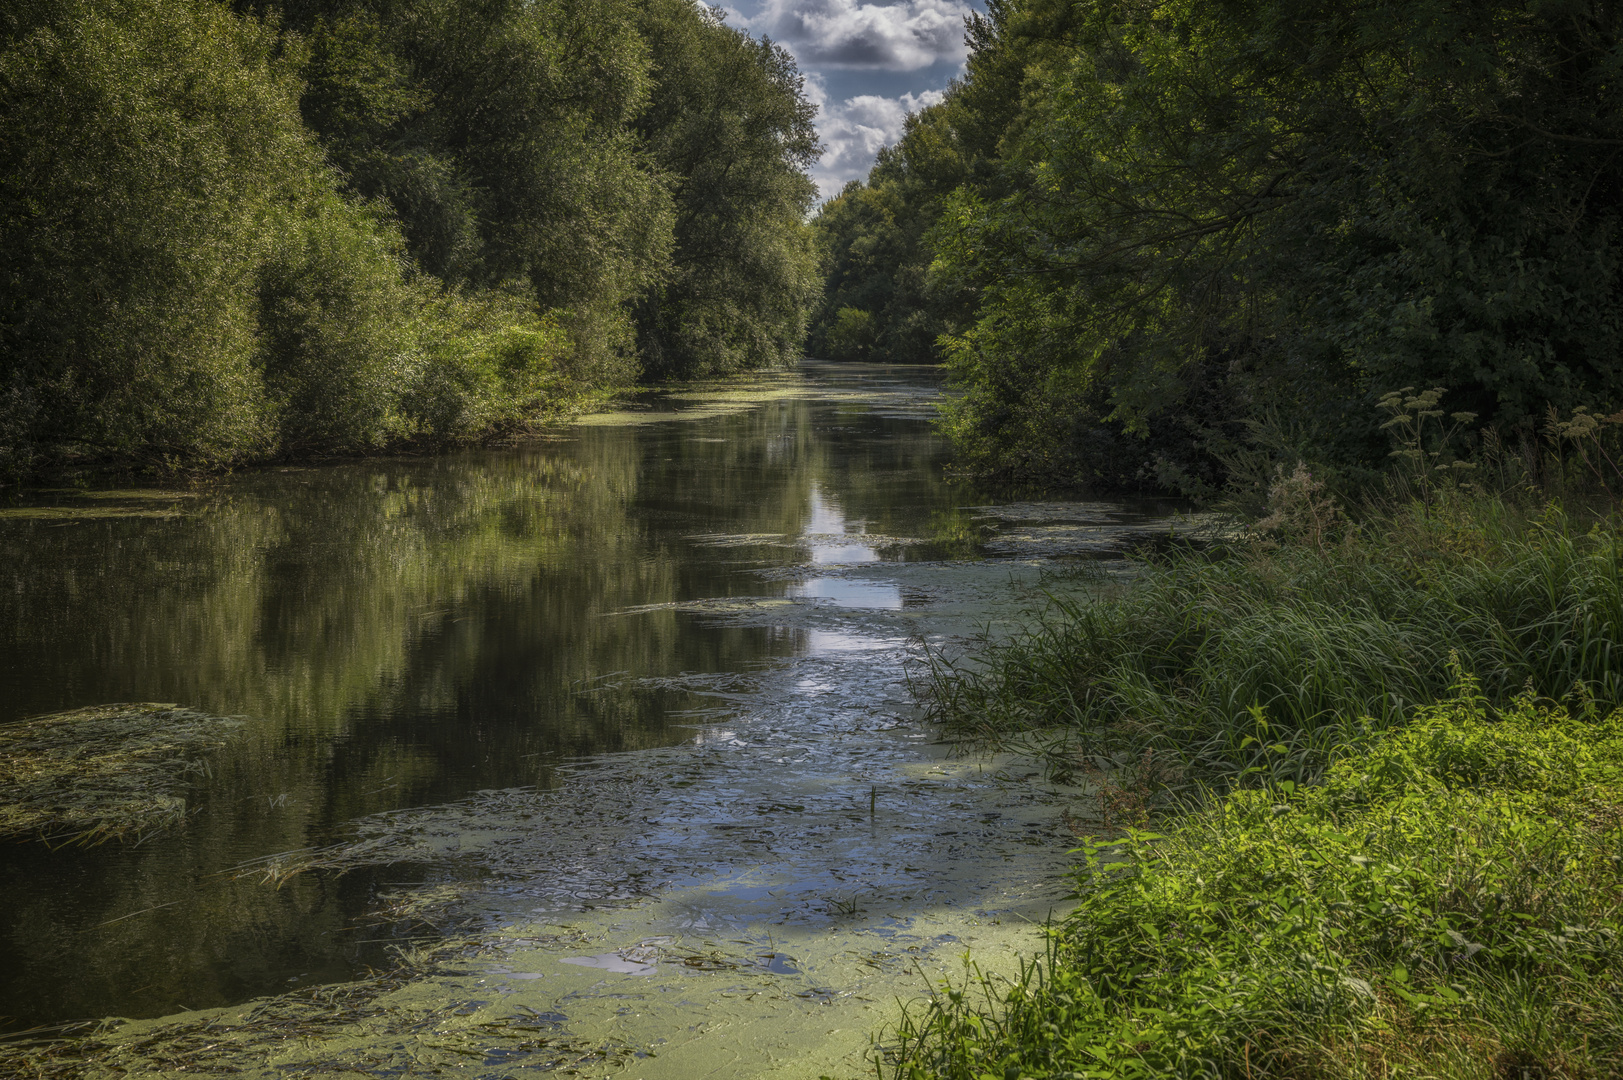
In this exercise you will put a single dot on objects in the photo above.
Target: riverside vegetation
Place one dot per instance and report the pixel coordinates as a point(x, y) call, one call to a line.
point(1192, 246)
point(233, 232)
point(1361, 799)
point(1157, 241)
point(1238, 250)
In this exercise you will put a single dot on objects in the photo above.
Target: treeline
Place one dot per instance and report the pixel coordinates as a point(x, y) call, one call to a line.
point(235, 231)
point(1176, 244)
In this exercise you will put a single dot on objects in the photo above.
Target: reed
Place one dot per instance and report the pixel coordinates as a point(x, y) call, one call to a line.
point(1219, 658)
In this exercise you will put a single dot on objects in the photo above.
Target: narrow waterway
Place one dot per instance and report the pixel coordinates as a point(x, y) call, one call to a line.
point(609, 733)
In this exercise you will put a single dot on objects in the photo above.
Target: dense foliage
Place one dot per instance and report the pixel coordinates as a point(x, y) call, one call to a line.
point(1367, 861)
point(234, 232)
point(729, 124)
point(879, 304)
point(1444, 904)
point(1187, 229)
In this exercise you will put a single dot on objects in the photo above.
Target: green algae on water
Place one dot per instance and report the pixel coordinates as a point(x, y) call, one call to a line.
point(71, 505)
point(108, 772)
point(375, 1026)
point(733, 1003)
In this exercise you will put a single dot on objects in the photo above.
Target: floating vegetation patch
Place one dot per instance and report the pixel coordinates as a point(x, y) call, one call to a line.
point(645, 957)
point(1050, 513)
point(545, 998)
point(748, 395)
point(1054, 541)
point(717, 605)
point(634, 417)
point(738, 540)
point(103, 773)
point(707, 398)
point(1060, 530)
point(85, 513)
point(384, 1025)
point(876, 540)
point(97, 505)
point(124, 494)
point(496, 833)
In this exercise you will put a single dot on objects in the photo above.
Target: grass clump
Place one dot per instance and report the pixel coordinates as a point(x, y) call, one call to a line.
point(1445, 903)
point(107, 772)
point(1262, 660)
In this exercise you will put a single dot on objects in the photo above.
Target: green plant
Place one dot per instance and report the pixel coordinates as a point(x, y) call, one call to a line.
point(1300, 510)
point(1424, 450)
point(1445, 903)
point(1317, 645)
point(1594, 438)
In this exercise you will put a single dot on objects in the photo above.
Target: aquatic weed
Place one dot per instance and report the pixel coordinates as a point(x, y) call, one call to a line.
point(103, 773)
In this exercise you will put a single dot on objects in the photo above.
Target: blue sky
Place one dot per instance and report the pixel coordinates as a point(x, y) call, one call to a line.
point(868, 63)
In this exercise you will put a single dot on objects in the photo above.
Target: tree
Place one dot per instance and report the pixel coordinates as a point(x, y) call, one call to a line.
point(876, 254)
point(234, 231)
point(146, 148)
point(730, 126)
point(1216, 213)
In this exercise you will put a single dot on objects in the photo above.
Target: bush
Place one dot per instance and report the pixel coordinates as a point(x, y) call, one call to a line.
point(337, 332)
point(487, 360)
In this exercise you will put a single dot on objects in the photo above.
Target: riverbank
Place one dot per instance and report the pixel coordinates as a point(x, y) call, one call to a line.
point(67, 469)
point(1385, 781)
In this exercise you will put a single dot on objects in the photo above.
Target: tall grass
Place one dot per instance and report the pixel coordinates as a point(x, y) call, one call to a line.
point(1220, 661)
point(1444, 899)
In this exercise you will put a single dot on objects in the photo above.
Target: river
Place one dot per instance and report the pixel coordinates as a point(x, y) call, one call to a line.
point(609, 734)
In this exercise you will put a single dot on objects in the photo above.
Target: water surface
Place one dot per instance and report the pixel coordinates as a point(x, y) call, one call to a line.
point(610, 701)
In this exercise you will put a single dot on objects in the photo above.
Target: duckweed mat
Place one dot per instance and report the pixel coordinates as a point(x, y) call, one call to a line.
point(596, 997)
point(364, 1027)
point(108, 772)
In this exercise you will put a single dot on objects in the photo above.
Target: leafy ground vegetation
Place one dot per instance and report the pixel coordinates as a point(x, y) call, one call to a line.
point(1382, 760)
point(1172, 244)
point(236, 231)
point(1444, 904)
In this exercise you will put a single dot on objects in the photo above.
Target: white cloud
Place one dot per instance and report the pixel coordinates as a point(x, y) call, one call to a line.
point(855, 129)
point(901, 36)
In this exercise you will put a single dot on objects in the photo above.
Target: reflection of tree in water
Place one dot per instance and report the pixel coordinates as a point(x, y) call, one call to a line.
point(401, 633)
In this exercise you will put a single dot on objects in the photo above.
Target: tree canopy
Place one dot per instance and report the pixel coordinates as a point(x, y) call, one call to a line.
point(1188, 227)
point(230, 231)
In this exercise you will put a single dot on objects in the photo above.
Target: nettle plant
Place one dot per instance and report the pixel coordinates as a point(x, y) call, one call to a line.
point(1424, 441)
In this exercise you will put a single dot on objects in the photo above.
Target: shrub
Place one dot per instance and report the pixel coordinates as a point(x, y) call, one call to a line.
point(335, 317)
point(487, 359)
